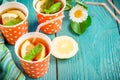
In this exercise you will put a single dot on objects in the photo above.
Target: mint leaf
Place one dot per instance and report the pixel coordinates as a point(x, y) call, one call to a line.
point(80, 28)
point(38, 48)
point(68, 1)
point(29, 57)
point(34, 53)
point(68, 6)
point(46, 11)
point(48, 3)
point(54, 8)
point(13, 22)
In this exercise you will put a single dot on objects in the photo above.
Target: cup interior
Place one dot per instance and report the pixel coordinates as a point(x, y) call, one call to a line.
point(64, 5)
point(31, 35)
point(16, 5)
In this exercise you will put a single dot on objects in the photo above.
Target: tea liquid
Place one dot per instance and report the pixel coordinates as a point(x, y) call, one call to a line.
point(37, 41)
point(5, 11)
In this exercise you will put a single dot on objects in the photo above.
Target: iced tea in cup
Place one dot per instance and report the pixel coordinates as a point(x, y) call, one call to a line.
point(34, 56)
point(47, 10)
point(13, 21)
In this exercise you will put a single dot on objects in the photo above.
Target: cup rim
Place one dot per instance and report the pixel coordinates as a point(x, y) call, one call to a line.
point(20, 22)
point(64, 5)
point(49, 41)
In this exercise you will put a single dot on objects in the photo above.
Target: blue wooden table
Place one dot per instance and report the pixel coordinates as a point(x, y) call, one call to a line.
point(98, 57)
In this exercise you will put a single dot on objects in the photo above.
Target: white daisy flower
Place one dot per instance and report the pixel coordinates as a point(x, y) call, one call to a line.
point(78, 14)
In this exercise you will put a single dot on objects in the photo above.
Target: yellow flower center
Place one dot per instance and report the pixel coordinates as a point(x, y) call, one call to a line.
point(78, 13)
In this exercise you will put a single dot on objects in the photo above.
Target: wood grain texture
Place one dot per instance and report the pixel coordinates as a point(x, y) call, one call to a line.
point(117, 3)
point(98, 57)
point(95, 59)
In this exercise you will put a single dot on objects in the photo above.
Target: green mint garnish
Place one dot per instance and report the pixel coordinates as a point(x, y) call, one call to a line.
point(48, 3)
point(13, 22)
point(34, 53)
point(53, 8)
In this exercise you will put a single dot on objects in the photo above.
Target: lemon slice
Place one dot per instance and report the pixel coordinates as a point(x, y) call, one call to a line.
point(39, 5)
point(17, 12)
point(42, 53)
point(6, 17)
point(64, 47)
point(25, 48)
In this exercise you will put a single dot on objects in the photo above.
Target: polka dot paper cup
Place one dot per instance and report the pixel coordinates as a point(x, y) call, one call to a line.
point(34, 69)
point(53, 27)
point(12, 33)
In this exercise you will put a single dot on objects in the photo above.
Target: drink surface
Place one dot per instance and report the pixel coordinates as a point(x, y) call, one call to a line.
point(42, 54)
point(11, 16)
point(49, 6)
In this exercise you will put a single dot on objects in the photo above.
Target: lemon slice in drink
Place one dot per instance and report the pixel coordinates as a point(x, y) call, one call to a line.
point(64, 47)
point(39, 5)
point(26, 47)
point(17, 12)
point(42, 53)
point(6, 17)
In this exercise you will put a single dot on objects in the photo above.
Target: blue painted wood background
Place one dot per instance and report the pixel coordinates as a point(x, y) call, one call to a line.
point(98, 57)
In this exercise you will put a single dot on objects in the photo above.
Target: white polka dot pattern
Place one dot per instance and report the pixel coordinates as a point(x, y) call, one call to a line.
point(10, 29)
point(52, 27)
point(35, 70)
point(12, 34)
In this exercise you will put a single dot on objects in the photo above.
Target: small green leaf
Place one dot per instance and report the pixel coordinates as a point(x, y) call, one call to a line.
point(68, 1)
point(33, 53)
point(68, 6)
point(80, 28)
point(48, 3)
point(29, 57)
point(46, 11)
point(54, 8)
point(81, 3)
point(38, 48)
point(13, 22)
point(76, 27)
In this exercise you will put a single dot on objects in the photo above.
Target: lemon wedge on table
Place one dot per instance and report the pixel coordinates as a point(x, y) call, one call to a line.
point(42, 53)
point(64, 47)
point(17, 12)
point(26, 47)
point(6, 17)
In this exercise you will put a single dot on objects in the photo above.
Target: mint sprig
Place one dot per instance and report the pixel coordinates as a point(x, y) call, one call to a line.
point(48, 3)
point(13, 22)
point(53, 8)
point(33, 53)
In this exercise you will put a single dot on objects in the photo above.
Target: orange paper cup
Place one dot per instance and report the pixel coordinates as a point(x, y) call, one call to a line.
point(34, 69)
point(12, 33)
point(53, 27)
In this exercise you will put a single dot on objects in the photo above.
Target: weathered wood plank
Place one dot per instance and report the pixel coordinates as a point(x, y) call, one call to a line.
point(97, 46)
point(117, 4)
